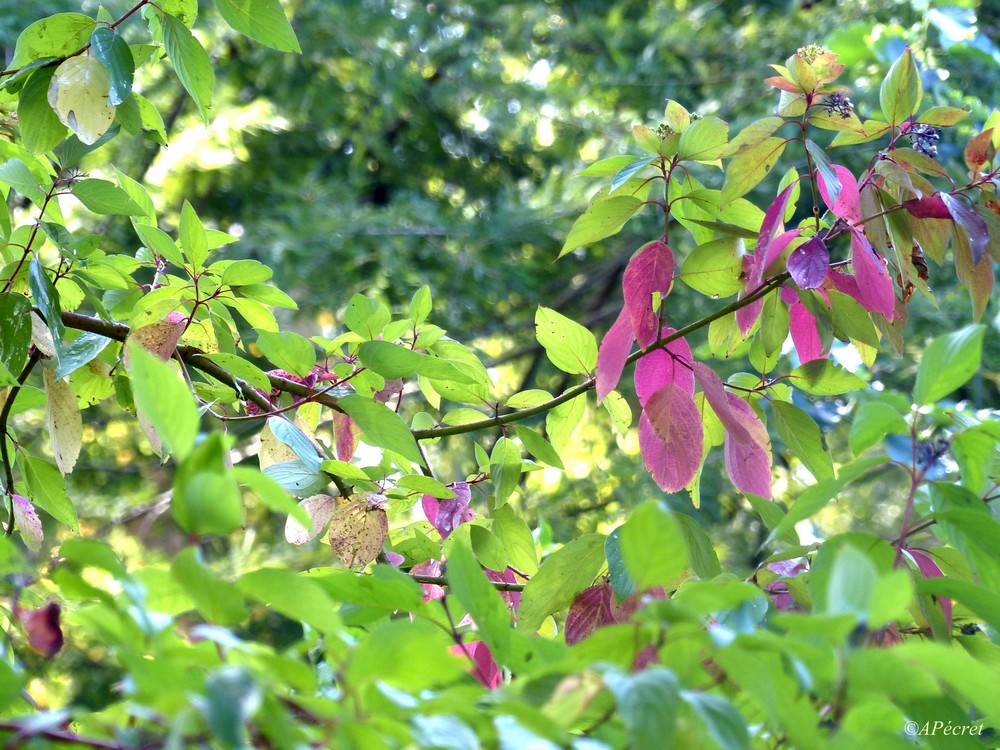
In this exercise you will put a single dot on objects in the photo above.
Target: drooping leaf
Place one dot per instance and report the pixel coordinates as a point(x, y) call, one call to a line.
point(647, 701)
point(826, 173)
point(481, 600)
point(847, 204)
point(261, 20)
point(46, 298)
point(561, 576)
point(41, 128)
point(650, 272)
point(15, 333)
point(612, 355)
point(359, 529)
point(875, 287)
point(671, 437)
point(969, 221)
point(79, 94)
point(27, 522)
point(592, 608)
point(805, 333)
point(163, 399)
point(448, 514)
point(108, 47)
point(665, 366)
point(62, 417)
point(803, 438)
point(748, 462)
point(653, 548)
point(191, 62)
point(505, 469)
point(381, 426)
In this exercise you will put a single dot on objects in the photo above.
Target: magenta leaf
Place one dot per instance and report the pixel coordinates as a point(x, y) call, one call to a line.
point(805, 334)
point(513, 598)
point(347, 435)
point(612, 355)
point(846, 204)
point(671, 437)
point(447, 515)
point(931, 207)
point(485, 669)
point(664, 366)
point(748, 462)
point(650, 270)
point(776, 248)
point(809, 263)
point(718, 399)
point(930, 569)
point(969, 219)
point(874, 282)
point(429, 568)
point(773, 223)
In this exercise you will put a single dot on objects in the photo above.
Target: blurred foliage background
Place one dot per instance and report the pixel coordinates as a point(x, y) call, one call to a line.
point(437, 143)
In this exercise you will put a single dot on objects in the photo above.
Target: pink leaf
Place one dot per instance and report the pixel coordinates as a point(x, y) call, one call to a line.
point(650, 270)
point(513, 598)
point(776, 248)
point(159, 338)
point(671, 437)
point(429, 568)
point(42, 628)
point(805, 335)
point(611, 357)
point(718, 399)
point(753, 269)
point(748, 463)
point(930, 569)
point(773, 222)
point(664, 366)
point(931, 207)
point(485, 669)
point(809, 263)
point(27, 522)
point(447, 515)
point(874, 283)
point(847, 204)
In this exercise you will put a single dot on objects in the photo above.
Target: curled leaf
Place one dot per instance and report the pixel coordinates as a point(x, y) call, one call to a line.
point(79, 94)
point(671, 436)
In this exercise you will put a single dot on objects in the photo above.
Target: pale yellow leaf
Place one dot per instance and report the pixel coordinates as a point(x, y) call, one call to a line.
point(359, 529)
point(27, 523)
point(321, 509)
point(62, 416)
point(79, 95)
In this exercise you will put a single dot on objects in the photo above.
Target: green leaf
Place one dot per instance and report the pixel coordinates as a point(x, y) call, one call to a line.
point(647, 703)
point(983, 602)
point(17, 175)
point(404, 654)
point(481, 600)
point(46, 298)
point(160, 243)
point(103, 197)
point(218, 601)
point(753, 134)
point(40, 127)
point(47, 488)
point(607, 167)
point(288, 350)
point(851, 320)
point(653, 547)
point(569, 346)
point(603, 219)
point(774, 319)
point(366, 317)
point(15, 333)
point(725, 725)
point(562, 421)
point(948, 363)
point(190, 61)
point(538, 446)
point(871, 423)
point(560, 577)
point(803, 438)
point(108, 47)
point(514, 534)
point(393, 361)
point(244, 272)
point(627, 172)
point(381, 426)
point(261, 20)
point(714, 268)
point(942, 117)
point(850, 586)
point(425, 485)
point(232, 697)
point(704, 561)
point(505, 469)
point(80, 352)
point(824, 377)
point(704, 140)
point(193, 237)
point(750, 166)
point(901, 90)
point(56, 36)
point(830, 177)
point(293, 595)
point(164, 399)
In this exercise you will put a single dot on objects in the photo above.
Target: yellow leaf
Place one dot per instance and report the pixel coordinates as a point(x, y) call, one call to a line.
point(62, 415)
point(79, 95)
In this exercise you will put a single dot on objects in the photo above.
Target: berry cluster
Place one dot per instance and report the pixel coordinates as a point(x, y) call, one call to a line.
point(924, 139)
point(929, 451)
point(839, 104)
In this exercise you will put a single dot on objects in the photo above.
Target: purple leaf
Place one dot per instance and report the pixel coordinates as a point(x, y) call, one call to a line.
point(874, 282)
point(805, 335)
point(650, 270)
point(931, 207)
point(930, 569)
point(775, 249)
point(662, 367)
point(808, 264)
point(485, 667)
point(592, 608)
point(748, 462)
point(447, 515)
point(611, 357)
point(347, 435)
point(671, 437)
point(847, 203)
point(969, 219)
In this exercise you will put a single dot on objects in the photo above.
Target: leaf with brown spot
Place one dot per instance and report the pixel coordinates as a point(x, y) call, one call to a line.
point(62, 416)
point(359, 529)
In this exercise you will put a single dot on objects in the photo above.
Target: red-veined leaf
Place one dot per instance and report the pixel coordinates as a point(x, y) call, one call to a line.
point(671, 437)
point(662, 367)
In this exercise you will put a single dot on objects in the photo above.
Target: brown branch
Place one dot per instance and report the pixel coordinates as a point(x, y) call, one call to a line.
point(4, 416)
point(443, 581)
